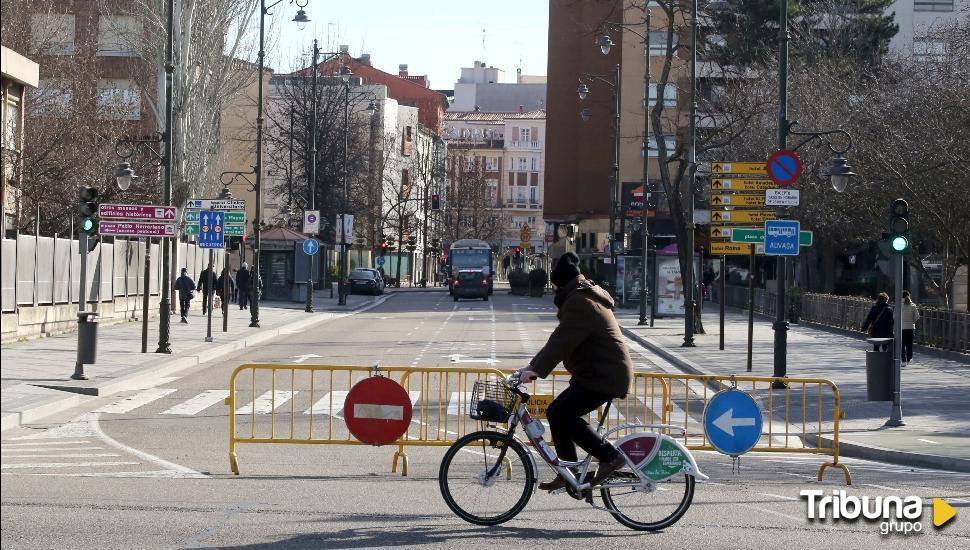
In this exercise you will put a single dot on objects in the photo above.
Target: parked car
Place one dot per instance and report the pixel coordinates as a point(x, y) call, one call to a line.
point(366, 281)
point(470, 283)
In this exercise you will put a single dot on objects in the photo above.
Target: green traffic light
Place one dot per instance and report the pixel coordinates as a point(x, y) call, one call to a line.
point(899, 243)
point(87, 225)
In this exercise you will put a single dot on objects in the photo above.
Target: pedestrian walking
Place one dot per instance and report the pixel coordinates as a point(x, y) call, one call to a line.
point(185, 287)
point(908, 317)
point(221, 286)
point(203, 286)
point(243, 279)
point(879, 321)
point(589, 343)
point(233, 291)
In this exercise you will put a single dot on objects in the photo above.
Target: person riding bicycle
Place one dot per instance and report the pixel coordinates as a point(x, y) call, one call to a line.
point(589, 343)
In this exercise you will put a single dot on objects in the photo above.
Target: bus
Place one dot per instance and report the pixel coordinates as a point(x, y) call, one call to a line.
point(469, 254)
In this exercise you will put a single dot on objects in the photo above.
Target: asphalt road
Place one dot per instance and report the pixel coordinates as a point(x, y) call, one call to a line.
point(149, 468)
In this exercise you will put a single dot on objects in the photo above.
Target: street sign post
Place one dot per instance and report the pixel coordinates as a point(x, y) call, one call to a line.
point(216, 204)
point(731, 184)
point(232, 218)
point(230, 229)
point(212, 230)
point(137, 212)
point(377, 410)
point(732, 422)
point(781, 237)
point(757, 236)
point(737, 200)
point(784, 167)
point(136, 229)
point(781, 197)
point(743, 216)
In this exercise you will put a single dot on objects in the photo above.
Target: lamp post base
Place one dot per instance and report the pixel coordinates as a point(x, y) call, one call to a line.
point(78, 372)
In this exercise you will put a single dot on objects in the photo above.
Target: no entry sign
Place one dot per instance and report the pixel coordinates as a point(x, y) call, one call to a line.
point(784, 167)
point(377, 410)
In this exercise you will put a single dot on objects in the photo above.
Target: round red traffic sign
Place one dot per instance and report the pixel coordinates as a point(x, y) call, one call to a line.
point(784, 167)
point(377, 410)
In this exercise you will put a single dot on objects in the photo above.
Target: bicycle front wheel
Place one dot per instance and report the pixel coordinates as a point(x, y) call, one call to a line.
point(651, 511)
point(480, 485)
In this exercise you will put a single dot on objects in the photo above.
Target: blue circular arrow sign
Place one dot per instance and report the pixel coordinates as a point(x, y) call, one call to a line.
point(310, 247)
point(732, 422)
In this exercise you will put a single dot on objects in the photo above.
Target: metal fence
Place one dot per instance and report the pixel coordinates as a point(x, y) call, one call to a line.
point(39, 271)
point(937, 327)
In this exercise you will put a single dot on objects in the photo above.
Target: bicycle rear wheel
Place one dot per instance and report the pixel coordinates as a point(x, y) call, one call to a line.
point(471, 493)
point(651, 511)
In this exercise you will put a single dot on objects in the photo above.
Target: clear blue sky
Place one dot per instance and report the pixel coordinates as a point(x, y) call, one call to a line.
point(433, 37)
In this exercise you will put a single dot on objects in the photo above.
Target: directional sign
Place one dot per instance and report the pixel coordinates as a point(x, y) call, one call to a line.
point(744, 216)
point(311, 221)
point(310, 247)
point(137, 211)
point(212, 230)
point(230, 230)
point(217, 204)
point(784, 167)
point(781, 197)
point(724, 184)
point(136, 229)
point(237, 218)
point(380, 261)
point(738, 168)
point(718, 232)
point(730, 249)
point(377, 410)
point(732, 422)
point(751, 235)
point(781, 237)
point(737, 200)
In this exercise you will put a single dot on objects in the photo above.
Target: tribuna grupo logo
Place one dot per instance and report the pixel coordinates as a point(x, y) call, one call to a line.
point(895, 514)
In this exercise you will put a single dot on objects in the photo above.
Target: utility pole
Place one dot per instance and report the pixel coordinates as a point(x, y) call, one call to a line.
point(780, 326)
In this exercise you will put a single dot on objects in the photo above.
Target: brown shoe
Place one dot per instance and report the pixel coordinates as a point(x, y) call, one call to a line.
point(558, 483)
point(606, 469)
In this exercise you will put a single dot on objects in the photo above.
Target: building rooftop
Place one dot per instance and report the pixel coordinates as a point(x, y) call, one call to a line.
point(474, 116)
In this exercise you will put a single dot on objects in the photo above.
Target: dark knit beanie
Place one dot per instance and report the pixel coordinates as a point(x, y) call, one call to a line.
point(567, 269)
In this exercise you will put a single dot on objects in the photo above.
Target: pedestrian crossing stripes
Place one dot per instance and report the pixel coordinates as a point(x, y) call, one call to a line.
point(265, 403)
point(133, 402)
point(198, 403)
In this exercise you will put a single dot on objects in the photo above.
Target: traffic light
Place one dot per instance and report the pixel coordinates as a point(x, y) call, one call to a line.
point(383, 245)
point(518, 252)
point(390, 242)
point(88, 208)
point(436, 202)
point(899, 227)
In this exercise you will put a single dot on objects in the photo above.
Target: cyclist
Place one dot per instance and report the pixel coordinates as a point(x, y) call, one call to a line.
point(589, 343)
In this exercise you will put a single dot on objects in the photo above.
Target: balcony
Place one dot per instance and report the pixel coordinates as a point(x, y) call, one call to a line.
point(531, 145)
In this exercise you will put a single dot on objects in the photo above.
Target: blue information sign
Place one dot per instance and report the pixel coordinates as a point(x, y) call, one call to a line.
point(732, 422)
point(781, 237)
point(310, 247)
point(380, 261)
point(212, 229)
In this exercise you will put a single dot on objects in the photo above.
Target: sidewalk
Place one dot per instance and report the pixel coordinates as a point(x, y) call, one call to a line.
point(36, 381)
point(935, 391)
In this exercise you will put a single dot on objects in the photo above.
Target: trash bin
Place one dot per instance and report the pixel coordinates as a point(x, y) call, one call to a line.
point(879, 372)
point(87, 338)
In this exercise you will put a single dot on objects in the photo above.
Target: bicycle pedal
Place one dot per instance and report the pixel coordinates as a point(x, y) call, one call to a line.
point(558, 491)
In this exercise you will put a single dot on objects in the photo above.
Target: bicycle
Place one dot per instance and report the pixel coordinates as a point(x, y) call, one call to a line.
point(660, 472)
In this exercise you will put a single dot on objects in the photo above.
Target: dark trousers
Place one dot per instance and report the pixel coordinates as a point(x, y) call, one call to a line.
point(205, 302)
point(907, 345)
point(184, 307)
point(565, 415)
point(243, 299)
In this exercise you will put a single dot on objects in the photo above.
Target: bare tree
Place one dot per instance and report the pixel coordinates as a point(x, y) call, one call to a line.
point(470, 202)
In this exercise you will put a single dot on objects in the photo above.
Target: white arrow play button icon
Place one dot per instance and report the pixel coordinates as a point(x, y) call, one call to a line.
point(726, 422)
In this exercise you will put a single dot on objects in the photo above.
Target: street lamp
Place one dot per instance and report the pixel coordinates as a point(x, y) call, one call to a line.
point(124, 176)
point(839, 173)
point(582, 90)
point(301, 19)
point(605, 43)
point(585, 115)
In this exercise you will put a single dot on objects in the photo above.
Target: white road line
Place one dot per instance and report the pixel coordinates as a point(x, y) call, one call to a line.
point(927, 441)
point(137, 474)
point(33, 444)
point(779, 514)
point(63, 465)
point(458, 402)
point(199, 403)
point(882, 487)
point(182, 471)
point(77, 455)
point(332, 404)
point(133, 402)
point(772, 495)
point(265, 403)
point(48, 449)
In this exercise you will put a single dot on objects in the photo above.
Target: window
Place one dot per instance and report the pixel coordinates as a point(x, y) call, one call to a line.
point(670, 95)
point(51, 98)
point(119, 99)
point(118, 35)
point(669, 141)
point(533, 197)
point(534, 178)
point(658, 42)
point(520, 195)
point(521, 178)
point(933, 5)
point(522, 163)
point(52, 34)
point(524, 135)
point(408, 144)
point(491, 164)
point(926, 49)
point(534, 164)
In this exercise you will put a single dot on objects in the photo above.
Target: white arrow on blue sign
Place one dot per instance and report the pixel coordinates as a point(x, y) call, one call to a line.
point(732, 422)
point(310, 247)
point(212, 230)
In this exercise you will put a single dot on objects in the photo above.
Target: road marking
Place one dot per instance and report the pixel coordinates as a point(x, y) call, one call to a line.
point(47, 449)
point(458, 402)
point(182, 471)
point(77, 455)
point(927, 441)
point(133, 402)
point(199, 403)
point(35, 443)
point(265, 403)
point(135, 474)
point(63, 465)
point(782, 497)
point(332, 404)
point(882, 487)
point(786, 516)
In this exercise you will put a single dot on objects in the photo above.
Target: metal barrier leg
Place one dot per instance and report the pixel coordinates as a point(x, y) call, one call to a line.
point(404, 462)
point(233, 460)
point(845, 471)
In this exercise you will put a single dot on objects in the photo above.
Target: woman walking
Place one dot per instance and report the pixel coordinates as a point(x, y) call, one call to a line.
point(908, 316)
point(879, 322)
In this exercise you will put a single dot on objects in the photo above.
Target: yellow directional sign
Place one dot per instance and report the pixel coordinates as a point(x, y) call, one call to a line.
point(746, 216)
point(722, 232)
point(737, 200)
point(739, 168)
point(730, 249)
point(748, 184)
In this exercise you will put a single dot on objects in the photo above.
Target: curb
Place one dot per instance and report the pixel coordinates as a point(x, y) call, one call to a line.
point(846, 448)
point(73, 396)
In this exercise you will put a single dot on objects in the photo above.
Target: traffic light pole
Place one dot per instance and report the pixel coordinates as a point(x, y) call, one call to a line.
point(780, 326)
point(896, 413)
point(82, 299)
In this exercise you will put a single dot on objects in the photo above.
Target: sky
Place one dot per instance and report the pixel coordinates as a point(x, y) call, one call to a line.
point(433, 37)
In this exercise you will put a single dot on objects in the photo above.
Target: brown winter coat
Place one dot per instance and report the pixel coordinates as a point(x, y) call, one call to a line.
point(587, 341)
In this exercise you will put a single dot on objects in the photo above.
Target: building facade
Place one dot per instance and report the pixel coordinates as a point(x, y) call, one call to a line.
point(917, 19)
point(18, 75)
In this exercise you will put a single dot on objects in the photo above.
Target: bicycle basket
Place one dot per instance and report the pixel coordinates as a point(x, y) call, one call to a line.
point(491, 402)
